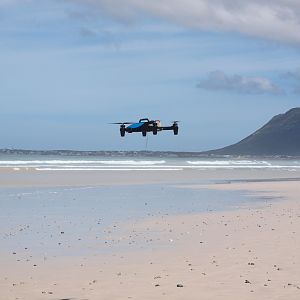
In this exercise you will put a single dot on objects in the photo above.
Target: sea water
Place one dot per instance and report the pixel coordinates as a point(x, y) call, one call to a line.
point(167, 163)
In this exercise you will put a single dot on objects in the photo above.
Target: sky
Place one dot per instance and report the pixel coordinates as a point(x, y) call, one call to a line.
point(68, 68)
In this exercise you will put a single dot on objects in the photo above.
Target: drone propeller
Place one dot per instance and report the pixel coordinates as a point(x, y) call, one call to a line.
point(176, 121)
point(122, 123)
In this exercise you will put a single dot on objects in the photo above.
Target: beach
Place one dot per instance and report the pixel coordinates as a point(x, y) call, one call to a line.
point(169, 233)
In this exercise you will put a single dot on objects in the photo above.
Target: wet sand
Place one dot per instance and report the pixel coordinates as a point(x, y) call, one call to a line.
point(252, 252)
point(29, 177)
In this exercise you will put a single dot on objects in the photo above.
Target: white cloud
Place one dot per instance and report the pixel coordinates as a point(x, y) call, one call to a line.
point(218, 80)
point(277, 20)
point(272, 19)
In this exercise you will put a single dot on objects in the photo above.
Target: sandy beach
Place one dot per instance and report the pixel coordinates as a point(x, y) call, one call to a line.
point(245, 251)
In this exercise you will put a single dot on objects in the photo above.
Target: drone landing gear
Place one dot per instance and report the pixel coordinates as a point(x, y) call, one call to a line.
point(122, 130)
point(175, 130)
point(154, 129)
point(144, 133)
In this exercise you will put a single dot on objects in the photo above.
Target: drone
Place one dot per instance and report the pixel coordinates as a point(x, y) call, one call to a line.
point(145, 125)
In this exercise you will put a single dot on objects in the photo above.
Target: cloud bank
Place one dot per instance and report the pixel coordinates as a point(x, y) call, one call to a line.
point(277, 20)
point(219, 81)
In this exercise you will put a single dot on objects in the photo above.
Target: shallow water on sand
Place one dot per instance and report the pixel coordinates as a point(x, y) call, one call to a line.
point(72, 221)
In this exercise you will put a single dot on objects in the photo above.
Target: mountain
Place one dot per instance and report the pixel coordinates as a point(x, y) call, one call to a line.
point(280, 136)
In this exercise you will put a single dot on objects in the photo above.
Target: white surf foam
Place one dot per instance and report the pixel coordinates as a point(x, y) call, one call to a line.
point(228, 162)
point(143, 164)
point(108, 169)
point(132, 162)
point(85, 162)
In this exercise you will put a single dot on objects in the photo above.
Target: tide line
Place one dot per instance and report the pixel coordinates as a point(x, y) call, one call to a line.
point(108, 169)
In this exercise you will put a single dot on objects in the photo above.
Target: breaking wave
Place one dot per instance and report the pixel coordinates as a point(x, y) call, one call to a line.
point(80, 162)
point(145, 163)
point(229, 163)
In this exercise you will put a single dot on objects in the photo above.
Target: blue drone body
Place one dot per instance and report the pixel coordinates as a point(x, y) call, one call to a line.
point(145, 125)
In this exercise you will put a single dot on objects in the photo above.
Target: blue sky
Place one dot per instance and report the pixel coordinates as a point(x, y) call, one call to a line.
point(68, 68)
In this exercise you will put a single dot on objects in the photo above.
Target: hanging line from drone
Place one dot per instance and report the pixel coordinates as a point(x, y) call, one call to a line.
point(146, 145)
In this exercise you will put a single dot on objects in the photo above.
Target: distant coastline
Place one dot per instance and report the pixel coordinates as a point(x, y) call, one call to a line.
point(137, 154)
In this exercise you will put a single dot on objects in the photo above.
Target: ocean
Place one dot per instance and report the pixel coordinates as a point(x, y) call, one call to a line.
point(161, 163)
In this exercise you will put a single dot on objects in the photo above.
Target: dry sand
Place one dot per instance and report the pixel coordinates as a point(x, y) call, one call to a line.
point(249, 253)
